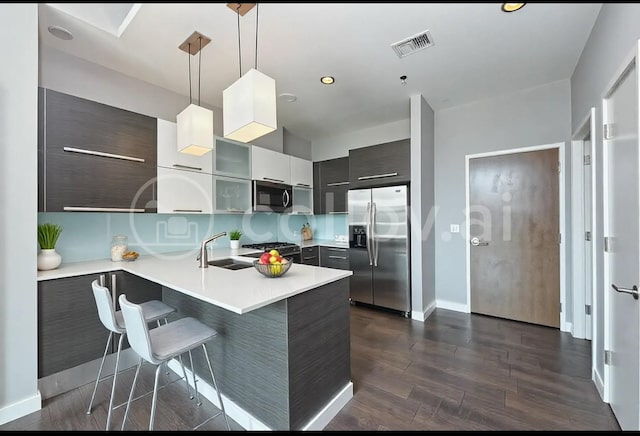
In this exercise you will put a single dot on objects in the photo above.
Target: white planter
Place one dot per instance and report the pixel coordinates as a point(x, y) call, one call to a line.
point(235, 244)
point(48, 259)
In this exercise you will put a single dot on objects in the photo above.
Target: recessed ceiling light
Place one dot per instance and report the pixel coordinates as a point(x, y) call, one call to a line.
point(512, 7)
point(327, 80)
point(288, 97)
point(60, 32)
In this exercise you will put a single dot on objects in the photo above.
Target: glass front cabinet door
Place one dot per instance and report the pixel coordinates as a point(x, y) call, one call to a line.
point(232, 158)
point(231, 195)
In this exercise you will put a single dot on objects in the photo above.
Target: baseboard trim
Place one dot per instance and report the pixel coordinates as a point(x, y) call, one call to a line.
point(568, 327)
point(597, 380)
point(450, 305)
point(422, 316)
point(250, 422)
point(20, 408)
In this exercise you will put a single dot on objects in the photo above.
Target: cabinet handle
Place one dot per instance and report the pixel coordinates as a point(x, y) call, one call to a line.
point(100, 153)
point(377, 176)
point(273, 180)
point(338, 257)
point(309, 258)
point(332, 212)
point(187, 210)
point(101, 279)
point(114, 289)
point(303, 184)
point(337, 183)
point(99, 209)
point(336, 249)
point(235, 210)
point(187, 167)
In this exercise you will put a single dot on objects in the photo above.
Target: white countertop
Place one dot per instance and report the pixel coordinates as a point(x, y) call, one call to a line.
point(239, 291)
point(324, 243)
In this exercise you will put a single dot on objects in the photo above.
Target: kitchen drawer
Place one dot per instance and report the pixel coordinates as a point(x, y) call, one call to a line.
point(334, 257)
point(310, 256)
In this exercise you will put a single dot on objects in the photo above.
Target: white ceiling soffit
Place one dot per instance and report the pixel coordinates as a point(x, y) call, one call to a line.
point(110, 17)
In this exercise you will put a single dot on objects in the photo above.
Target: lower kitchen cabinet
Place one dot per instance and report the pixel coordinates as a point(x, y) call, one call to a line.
point(70, 332)
point(334, 257)
point(310, 256)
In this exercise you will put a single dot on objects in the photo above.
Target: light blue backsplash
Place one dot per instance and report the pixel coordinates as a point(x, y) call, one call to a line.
point(87, 235)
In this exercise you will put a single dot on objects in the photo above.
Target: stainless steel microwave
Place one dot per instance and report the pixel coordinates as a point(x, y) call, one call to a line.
point(271, 196)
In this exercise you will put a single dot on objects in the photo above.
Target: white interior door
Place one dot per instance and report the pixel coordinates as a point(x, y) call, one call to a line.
point(588, 240)
point(620, 115)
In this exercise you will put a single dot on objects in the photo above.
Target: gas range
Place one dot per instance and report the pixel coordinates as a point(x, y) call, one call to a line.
point(284, 248)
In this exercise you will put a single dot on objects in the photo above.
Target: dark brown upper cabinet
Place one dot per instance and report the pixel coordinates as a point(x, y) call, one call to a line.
point(94, 157)
point(380, 165)
point(332, 185)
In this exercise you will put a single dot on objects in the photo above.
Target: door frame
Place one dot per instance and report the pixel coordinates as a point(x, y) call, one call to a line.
point(629, 61)
point(579, 321)
point(563, 255)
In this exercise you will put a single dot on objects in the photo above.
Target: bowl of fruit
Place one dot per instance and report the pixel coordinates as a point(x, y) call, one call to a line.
point(271, 264)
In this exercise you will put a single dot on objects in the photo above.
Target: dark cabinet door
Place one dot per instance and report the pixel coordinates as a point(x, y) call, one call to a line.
point(96, 156)
point(70, 332)
point(380, 165)
point(310, 256)
point(334, 185)
point(137, 290)
point(334, 257)
point(317, 190)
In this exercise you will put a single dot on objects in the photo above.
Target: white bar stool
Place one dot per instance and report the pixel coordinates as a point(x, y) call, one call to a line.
point(153, 311)
point(162, 344)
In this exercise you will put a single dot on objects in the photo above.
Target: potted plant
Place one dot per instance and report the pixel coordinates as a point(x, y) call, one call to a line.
point(48, 235)
point(234, 237)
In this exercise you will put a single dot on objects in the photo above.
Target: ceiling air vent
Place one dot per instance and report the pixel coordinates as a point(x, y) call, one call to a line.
point(413, 44)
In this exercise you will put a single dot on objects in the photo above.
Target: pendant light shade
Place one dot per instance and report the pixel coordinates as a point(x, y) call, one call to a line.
point(249, 104)
point(195, 123)
point(195, 130)
point(249, 107)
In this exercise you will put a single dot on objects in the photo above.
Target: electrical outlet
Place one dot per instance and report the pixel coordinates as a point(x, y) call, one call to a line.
point(454, 228)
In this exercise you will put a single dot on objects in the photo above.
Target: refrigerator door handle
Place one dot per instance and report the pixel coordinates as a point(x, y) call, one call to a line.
point(368, 230)
point(373, 234)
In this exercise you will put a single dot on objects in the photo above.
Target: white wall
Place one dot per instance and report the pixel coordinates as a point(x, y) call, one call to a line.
point(339, 145)
point(615, 33)
point(423, 295)
point(534, 116)
point(295, 145)
point(72, 75)
point(18, 220)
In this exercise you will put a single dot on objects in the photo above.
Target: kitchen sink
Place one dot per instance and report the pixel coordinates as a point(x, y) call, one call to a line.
point(229, 263)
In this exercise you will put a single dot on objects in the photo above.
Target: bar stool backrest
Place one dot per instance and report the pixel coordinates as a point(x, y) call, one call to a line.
point(137, 329)
point(105, 307)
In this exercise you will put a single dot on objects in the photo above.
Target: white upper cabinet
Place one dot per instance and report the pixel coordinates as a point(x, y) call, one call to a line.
point(270, 165)
point(301, 172)
point(170, 157)
point(231, 158)
point(182, 191)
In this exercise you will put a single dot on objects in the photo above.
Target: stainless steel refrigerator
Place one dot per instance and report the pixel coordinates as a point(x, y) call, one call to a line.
point(379, 253)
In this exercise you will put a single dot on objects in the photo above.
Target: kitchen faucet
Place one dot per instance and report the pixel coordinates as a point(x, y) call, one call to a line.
point(204, 261)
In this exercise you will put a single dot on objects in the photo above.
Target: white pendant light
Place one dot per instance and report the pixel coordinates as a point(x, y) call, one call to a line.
point(249, 104)
point(195, 123)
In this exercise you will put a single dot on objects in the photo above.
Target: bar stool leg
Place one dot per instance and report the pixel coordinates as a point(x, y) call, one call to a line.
point(133, 386)
point(195, 381)
point(166, 366)
point(155, 395)
point(104, 356)
point(186, 380)
point(215, 385)
point(113, 384)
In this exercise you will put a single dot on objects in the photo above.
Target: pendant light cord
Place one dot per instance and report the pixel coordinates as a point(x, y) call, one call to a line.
point(189, 58)
point(239, 49)
point(256, 61)
point(199, 67)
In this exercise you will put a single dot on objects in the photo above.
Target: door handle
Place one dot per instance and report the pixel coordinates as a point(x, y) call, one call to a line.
point(373, 234)
point(633, 291)
point(476, 242)
point(368, 230)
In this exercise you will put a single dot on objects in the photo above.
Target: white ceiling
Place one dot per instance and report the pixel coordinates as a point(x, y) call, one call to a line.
point(479, 52)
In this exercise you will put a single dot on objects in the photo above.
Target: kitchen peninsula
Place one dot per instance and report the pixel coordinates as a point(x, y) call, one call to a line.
point(283, 356)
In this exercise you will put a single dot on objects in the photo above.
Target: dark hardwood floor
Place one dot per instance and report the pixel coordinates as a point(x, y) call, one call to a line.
point(454, 372)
